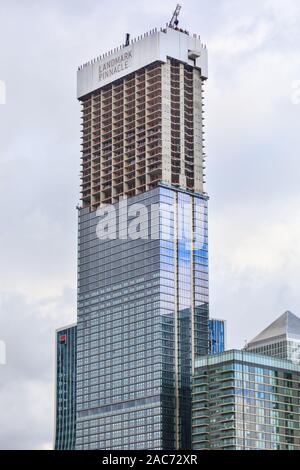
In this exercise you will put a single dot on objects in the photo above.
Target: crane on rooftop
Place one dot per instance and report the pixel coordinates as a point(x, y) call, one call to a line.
point(174, 21)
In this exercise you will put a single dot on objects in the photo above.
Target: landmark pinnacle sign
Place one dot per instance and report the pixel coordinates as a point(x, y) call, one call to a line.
point(115, 65)
point(155, 46)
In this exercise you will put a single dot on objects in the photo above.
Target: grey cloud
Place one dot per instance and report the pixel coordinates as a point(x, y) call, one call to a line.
point(26, 381)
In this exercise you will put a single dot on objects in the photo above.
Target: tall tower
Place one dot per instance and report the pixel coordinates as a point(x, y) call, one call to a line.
point(142, 301)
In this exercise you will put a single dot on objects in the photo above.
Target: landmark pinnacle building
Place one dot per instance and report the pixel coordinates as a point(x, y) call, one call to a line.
point(142, 300)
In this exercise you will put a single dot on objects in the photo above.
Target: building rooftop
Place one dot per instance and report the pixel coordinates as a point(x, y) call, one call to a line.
point(157, 45)
point(138, 38)
point(287, 325)
point(246, 357)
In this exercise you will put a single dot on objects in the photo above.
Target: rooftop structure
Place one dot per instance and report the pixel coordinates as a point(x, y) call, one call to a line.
point(281, 338)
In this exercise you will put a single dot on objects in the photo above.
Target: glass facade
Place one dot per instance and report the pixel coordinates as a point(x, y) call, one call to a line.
point(217, 336)
point(65, 388)
point(142, 318)
point(243, 401)
point(284, 349)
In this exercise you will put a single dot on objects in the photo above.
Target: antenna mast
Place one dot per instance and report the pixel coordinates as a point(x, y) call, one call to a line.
point(174, 21)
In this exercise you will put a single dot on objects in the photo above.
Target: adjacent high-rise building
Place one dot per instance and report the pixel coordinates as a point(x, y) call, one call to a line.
point(142, 299)
point(280, 339)
point(244, 401)
point(217, 336)
point(65, 388)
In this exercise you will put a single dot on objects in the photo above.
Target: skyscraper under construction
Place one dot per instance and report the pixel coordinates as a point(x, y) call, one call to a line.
point(142, 301)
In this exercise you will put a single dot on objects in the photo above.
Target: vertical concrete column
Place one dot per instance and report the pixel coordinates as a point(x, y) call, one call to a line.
point(182, 177)
point(198, 132)
point(166, 123)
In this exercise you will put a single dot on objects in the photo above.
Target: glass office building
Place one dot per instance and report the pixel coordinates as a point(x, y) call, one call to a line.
point(243, 401)
point(65, 388)
point(217, 336)
point(142, 318)
point(280, 339)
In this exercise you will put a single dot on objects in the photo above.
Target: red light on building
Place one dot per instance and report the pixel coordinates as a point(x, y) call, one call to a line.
point(63, 339)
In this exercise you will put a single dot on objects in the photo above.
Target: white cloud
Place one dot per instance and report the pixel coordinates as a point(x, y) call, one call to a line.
point(244, 36)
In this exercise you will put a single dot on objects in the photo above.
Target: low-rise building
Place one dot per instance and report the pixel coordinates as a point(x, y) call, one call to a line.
point(244, 401)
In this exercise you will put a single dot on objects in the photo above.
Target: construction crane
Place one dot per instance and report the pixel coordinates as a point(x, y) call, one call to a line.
point(174, 21)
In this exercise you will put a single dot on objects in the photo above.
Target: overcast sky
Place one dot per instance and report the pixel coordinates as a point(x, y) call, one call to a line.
point(253, 174)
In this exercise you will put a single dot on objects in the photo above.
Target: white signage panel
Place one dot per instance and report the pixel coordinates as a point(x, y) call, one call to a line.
point(152, 47)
